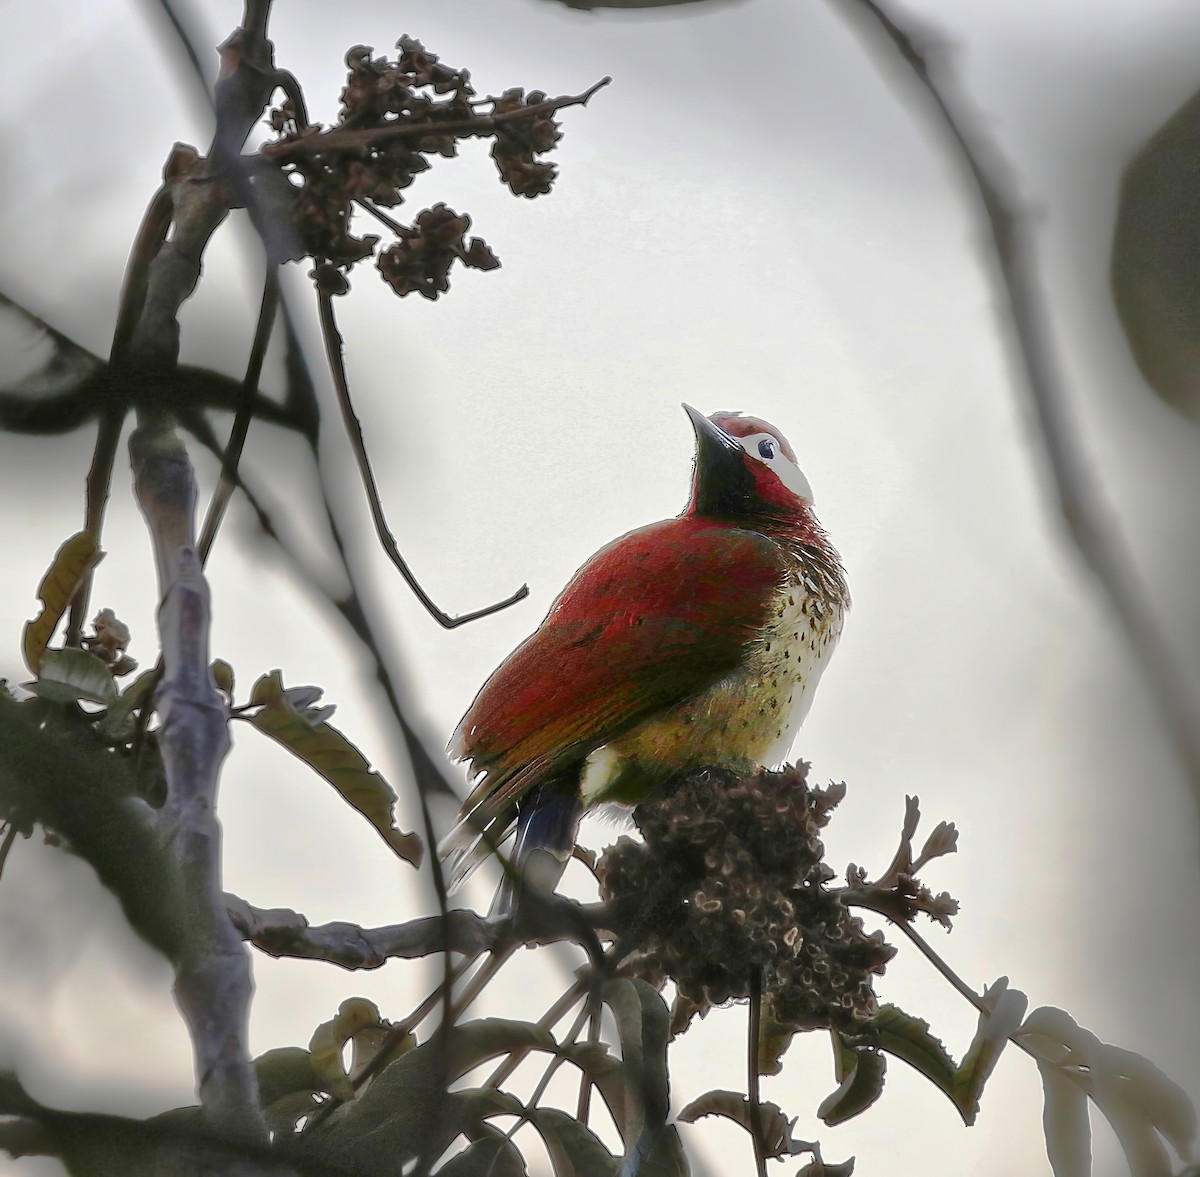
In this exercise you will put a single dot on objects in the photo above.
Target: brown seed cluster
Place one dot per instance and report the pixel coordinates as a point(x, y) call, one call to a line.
point(395, 114)
point(730, 884)
point(421, 259)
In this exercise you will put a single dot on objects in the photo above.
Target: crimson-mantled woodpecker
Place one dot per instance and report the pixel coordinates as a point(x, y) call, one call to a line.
point(695, 641)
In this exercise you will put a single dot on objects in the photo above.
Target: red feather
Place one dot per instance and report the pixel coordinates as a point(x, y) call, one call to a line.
point(652, 620)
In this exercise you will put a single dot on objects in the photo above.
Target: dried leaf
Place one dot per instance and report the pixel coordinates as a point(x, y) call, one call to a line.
point(70, 565)
point(355, 1014)
point(329, 753)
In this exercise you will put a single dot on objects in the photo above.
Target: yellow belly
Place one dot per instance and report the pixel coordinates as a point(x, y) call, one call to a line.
point(744, 721)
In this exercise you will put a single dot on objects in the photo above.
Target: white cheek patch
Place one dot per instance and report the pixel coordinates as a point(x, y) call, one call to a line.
point(785, 470)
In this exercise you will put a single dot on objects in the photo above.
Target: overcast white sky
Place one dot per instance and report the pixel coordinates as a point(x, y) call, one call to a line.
point(748, 218)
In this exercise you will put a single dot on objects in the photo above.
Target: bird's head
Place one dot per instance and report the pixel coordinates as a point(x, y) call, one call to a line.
point(745, 467)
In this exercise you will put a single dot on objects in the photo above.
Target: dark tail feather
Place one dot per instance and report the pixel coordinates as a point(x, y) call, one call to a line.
point(547, 823)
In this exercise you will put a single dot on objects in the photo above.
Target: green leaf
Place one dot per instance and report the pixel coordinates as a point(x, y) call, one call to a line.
point(775, 1127)
point(72, 674)
point(773, 1042)
point(60, 774)
point(491, 1154)
point(605, 1070)
point(282, 1071)
point(820, 1168)
point(478, 1041)
point(1136, 1098)
point(908, 1038)
point(329, 753)
point(1065, 1123)
point(1155, 284)
point(1006, 1008)
point(575, 1150)
point(223, 676)
point(406, 1113)
point(117, 725)
point(860, 1075)
point(71, 563)
point(643, 1024)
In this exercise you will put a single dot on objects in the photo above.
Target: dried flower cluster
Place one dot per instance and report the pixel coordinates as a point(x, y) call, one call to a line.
point(393, 115)
point(109, 643)
point(421, 259)
point(731, 884)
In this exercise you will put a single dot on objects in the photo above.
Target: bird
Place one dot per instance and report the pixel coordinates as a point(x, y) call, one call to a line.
point(693, 642)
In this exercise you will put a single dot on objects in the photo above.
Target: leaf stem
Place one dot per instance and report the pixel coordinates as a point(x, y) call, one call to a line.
point(754, 1033)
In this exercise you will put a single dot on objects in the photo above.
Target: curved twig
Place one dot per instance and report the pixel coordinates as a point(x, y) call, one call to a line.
point(243, 414)
point(337, 369)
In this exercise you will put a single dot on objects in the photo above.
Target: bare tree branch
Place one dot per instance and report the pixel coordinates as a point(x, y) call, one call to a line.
point(1089, 520)
point(283, 932)
point(343, 140)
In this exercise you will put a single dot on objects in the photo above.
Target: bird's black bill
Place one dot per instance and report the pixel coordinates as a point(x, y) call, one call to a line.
point(724, 484)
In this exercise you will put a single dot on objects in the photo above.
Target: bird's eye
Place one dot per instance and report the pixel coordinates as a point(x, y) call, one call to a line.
point(766, 449)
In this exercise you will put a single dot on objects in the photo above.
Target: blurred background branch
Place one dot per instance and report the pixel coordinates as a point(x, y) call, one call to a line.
point(1088, 519)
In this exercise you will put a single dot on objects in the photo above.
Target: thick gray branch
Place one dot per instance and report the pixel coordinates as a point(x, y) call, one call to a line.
point(212, 971)
point(212, 968)
point(280, 931)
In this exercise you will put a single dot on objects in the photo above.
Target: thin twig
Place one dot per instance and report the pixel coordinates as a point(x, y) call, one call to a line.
point(337, 368)
point(583, 1107)
point(152, 232)
point(336, 140)
point(548, 1019)
point(369, 206)
point(931, 955)
point(753, 1034)
point(6, 846)
point(243, 414)
point(552, 1066)
point(1089, 521)
point(494, 963)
